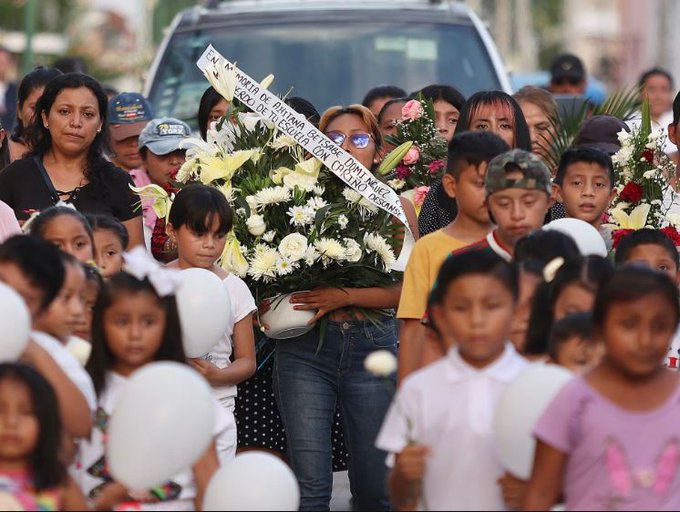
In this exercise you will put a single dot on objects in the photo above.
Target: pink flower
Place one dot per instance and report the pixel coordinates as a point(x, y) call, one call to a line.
point(403, 171)
point(435, 166)
point(412, 110)
point(412, 156)
point(421, 194)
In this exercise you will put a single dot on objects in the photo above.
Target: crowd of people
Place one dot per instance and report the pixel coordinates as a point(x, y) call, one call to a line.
point(486, 293)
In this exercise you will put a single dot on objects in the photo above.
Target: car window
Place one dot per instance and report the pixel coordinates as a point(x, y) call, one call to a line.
point(330, 63)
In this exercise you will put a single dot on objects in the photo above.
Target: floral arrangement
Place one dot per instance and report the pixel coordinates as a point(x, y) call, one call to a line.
point(423, 161)
point(643, 186)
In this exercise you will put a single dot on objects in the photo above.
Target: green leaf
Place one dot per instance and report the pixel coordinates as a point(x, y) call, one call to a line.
point(320, 217)
point(646, 125)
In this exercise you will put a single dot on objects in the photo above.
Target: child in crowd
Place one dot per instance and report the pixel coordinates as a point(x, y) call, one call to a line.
point(162, 157)
point(447, 407)
point(67, 228)
point(532, 253)
point(389, 114)
point(572, 343)
point(111, 240)
point(609, 440)
point(652, 248)
point(468, 157)
point(32, 473)
point(199, 221)
point(584, 184)
point(518, 195)
point(34, 268)
point(93, 285)
point(569, 287)
point(134, 325)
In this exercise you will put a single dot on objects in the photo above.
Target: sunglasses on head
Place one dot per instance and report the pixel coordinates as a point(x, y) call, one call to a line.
point(358, 140)
point(571, 80)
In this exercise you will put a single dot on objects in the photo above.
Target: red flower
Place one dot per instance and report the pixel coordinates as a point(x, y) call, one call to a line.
point(648, 155)
point(673, 234)
point(618, 235)
point(631, 193)
point(403, 171)
point(435, 166)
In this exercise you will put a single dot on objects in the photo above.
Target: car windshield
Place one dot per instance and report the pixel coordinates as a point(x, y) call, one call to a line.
point(330, 64)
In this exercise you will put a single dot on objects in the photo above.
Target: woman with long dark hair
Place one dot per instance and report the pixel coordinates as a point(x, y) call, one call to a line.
point(68, 138)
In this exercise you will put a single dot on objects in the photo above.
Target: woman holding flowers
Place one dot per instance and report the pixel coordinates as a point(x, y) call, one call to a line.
point(315, 370)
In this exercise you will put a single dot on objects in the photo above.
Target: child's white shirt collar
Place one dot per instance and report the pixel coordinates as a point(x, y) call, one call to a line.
point(504, 369)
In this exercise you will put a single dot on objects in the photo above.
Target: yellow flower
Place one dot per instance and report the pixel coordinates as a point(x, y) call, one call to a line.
point(161, 200)
point(215, 168)
point(232, 258)
point(636, 220)
point(309, 167)
point(277, 175)
point(222, 79)
point(267, 81)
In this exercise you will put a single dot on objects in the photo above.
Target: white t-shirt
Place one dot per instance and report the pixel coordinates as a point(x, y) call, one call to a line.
point(69, 365)
point(91, 471)
point(449, 407)
point(242, 304)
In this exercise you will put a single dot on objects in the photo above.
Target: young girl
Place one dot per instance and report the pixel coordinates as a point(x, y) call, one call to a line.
point(93, 285)
point(111, 240)
point(609, 440)
point(447, 407)
point(66, 228)
point(569, 287)
point(199, 220)
point(32, 475)
point(134, 325)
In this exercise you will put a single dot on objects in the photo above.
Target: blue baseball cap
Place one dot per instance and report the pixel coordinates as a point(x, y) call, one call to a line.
point(163, 135)
point(129, 112)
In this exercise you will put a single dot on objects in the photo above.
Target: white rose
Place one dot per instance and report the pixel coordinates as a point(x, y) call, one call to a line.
point(256, 225)
point(252, 203)
point(293, 247)
point(381, 363)
point(352, 250)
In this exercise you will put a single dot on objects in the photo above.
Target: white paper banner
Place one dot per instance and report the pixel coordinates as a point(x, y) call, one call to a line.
point(341, 163)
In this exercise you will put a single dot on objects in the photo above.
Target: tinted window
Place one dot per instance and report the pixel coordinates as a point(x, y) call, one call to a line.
point(330, 63)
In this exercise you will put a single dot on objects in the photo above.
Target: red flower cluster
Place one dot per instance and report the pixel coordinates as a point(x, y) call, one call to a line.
point(436, 166)
point(631, 193)
point(673, 234)
point(648, 155)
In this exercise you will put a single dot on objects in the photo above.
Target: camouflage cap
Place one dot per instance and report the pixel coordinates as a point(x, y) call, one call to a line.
point(536, 175)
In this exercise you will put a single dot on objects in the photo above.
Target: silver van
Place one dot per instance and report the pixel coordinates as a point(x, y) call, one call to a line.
point(329, 52)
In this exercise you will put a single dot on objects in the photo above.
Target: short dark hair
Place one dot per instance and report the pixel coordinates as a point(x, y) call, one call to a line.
point(196, 205)
point(102, 359)
point(587, 155)
point(471, 262)
point(544, 246)
point(39, 225)
point(446, 93)
point(645, 236)
point(39, 261)
point(630, 283)
point(382, 91)
point(100, 221)
point(46, 467)
point(34, 80)
point(473, 148)
point(571, 326)
point(304, 107)
point(655, 71)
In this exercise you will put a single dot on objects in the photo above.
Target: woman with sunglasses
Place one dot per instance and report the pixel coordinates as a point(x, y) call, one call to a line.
point(67, 138)
point(309, 381)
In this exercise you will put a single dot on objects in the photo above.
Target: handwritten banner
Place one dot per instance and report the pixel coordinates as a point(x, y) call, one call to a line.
point(341, 163)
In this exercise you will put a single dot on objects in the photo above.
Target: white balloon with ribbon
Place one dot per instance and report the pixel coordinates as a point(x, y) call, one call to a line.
point(587, 238)
point(253, 481)
point(161, 424)
point(15, 320)
point(520, 407)
point(204, 310)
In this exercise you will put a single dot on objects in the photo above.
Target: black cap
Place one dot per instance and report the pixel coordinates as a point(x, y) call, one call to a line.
point(601, 132)
point(567, 66)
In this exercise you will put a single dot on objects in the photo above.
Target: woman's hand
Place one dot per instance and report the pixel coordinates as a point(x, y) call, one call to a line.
point(324, 300)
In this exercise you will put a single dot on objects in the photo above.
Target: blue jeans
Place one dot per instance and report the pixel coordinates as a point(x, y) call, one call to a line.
point(307, 386)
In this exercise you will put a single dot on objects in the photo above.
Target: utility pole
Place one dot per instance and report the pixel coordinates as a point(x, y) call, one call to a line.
point(29, 31)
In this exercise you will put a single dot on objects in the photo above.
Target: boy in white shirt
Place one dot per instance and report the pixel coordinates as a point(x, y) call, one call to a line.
point(439, 426)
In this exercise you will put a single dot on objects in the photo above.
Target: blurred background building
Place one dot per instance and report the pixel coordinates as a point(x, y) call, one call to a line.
point(617, 39)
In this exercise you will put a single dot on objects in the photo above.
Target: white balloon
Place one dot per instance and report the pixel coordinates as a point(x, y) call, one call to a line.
point(253, 481)
point(204, 310)
point(519, 409)
point(587, 238)
point(15, 324)
point(162, 423)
